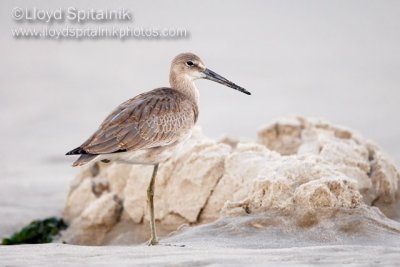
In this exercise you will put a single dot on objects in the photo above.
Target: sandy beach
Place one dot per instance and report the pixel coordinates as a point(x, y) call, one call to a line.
point(66, 255)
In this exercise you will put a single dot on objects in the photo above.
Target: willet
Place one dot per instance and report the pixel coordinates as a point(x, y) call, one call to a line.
point(150, 127)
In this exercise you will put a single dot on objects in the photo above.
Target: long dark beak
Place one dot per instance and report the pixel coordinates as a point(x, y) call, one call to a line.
point(212, 76)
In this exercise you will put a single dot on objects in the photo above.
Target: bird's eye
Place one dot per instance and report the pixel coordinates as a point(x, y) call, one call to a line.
point(189, 63)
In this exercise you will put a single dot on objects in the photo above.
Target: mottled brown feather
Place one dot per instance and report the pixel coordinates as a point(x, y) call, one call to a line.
point(155, 118)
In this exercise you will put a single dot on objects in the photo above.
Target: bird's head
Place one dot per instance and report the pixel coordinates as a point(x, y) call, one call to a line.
point(191, 67)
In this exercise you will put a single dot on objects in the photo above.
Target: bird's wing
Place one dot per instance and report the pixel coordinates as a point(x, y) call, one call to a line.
point(156, 118)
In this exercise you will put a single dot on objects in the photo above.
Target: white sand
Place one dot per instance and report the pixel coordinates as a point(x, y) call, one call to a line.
point(66, 255)
point(224, 243)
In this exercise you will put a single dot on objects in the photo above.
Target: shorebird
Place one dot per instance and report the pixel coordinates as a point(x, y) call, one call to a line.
point(149, 128)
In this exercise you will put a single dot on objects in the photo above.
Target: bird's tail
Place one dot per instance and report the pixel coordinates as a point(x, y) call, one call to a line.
point(83, 159)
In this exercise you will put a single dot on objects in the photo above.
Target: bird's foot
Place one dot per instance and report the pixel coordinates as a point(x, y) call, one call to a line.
point(152, 242)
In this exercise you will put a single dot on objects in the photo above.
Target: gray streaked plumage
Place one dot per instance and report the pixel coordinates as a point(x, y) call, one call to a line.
point(156, 118)
point(150, 127)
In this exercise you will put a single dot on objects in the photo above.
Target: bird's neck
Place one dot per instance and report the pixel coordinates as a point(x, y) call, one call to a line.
point(185, 85)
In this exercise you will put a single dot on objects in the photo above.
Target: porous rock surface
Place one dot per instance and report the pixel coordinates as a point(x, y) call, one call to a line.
point(297, 166)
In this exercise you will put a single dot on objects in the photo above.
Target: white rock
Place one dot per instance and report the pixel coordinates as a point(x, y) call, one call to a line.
point(300, 166)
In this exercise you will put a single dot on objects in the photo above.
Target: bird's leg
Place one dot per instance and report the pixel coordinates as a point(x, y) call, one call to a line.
point(150, 194)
